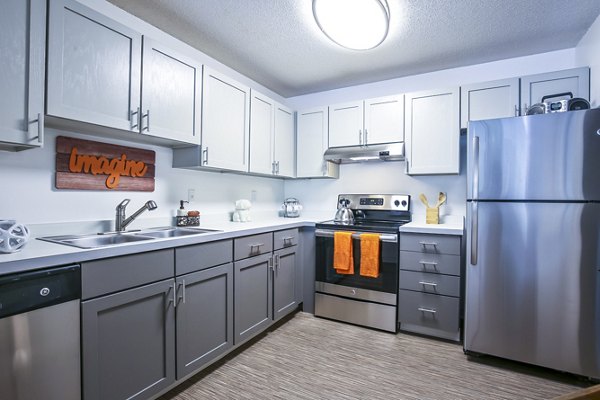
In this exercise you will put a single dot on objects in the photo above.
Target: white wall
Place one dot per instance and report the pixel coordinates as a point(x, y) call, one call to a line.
point(587, 52)
point(513, 67)
point(28, 194)
point(389, 177)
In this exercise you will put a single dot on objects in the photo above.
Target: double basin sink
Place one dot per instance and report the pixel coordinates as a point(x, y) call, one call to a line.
point(114, 238)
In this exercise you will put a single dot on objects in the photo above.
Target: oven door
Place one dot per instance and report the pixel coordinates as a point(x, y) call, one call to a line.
point(382, 289)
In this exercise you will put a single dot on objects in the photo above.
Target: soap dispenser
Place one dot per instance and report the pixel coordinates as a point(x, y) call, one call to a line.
point(181, 212)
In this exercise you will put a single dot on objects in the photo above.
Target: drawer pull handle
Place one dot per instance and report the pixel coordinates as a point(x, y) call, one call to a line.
point(425, 244)
point(255, 248)
point(432, 263)
point(288, 241)
point(428, 283)
point(427, 310)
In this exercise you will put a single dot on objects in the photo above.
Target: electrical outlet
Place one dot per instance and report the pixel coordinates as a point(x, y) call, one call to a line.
point(191, 195)
point(253, 196)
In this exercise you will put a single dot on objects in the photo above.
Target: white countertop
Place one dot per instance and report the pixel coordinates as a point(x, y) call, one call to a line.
point(38, 254)
point(450, 225)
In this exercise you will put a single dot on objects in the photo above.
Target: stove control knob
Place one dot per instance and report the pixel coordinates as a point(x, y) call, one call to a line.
point(397, 203)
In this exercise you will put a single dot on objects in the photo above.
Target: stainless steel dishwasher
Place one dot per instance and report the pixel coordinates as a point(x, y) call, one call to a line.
point(39, 335)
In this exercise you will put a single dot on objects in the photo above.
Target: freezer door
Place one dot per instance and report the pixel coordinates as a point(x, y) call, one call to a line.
point(533, 292)
point(537, 157)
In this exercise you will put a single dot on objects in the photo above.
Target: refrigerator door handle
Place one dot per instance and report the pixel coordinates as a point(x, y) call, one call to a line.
point(475, 188)
point(474, 231)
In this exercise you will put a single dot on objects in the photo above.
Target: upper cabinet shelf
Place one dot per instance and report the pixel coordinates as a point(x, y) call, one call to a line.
point(22, 46)
point(511, 97)
point(363, 123)
point(432, 132)
point(95, 76)
point(225, 123)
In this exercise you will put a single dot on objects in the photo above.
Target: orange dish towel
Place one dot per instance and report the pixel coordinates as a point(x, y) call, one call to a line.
point(369, 255)
point(343, 259)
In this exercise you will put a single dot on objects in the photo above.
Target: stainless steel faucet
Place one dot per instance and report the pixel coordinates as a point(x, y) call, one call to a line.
point(121, 222)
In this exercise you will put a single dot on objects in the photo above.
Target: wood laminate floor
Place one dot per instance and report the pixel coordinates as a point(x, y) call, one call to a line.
point(314, 358)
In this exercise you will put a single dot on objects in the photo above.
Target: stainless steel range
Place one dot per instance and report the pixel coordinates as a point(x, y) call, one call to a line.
point(352, 297)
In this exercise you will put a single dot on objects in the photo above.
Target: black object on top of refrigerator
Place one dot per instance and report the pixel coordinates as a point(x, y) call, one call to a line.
point(533, 240)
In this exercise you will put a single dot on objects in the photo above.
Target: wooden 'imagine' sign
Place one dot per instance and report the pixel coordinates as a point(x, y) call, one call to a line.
point(86, 165)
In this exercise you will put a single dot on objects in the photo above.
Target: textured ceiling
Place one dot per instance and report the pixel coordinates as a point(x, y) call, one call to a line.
point(278, 44)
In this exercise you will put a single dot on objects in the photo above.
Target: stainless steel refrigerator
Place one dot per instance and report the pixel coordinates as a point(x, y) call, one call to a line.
point(533, 240)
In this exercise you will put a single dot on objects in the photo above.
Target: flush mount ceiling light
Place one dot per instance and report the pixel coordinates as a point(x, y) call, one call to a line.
point(353, 24)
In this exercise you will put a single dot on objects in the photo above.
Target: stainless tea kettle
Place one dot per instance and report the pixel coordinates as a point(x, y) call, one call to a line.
point(344, 215)
point(291, 208)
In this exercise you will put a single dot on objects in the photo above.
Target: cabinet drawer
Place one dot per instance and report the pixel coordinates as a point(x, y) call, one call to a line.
point(434, 244)
point(428, 310)
point(114, 274)
point(434, 263)
point(202, 256)
point(254, 245)
point(430, 283)
point(286, 238)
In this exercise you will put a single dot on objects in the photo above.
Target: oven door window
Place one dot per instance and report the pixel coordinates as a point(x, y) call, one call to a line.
point(387, 281)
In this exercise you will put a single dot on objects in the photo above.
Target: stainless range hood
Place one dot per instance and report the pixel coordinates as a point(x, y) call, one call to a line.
point(353, 154)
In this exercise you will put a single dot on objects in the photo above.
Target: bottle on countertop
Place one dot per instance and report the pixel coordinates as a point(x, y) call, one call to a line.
point(181, 212)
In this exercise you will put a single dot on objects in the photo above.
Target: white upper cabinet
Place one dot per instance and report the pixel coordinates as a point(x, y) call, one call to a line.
point(171, 94)
point(363, 123)
point(384, 120)
point(432, 132)
point(93, 67)
point(272, 147)
point(311, 143)
point(488, 100)
point(262, 118)
point(225, 122)
point(22, 61)
point(284, 147)
point(511, 97)
point(534, 87)
point(95, 76)
point(346, 124)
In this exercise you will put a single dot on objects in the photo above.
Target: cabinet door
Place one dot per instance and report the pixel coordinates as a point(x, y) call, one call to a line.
point(284, 144)
point(93, 67)
point(284, 281)
point(128, 342)
point(489, 100)
point(346, 124)
point(311, 143)
point(534, 87)
point(225, 122)
point(432, 132)
point(384, 120)
point(22, 52)
point(171, 94)
point(253, 309)
point(262, 111)
point(204, 317)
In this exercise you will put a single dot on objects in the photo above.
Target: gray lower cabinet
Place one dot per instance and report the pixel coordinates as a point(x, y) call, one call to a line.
point(253, 309)
point(22, 61)
point(204, 317)
point(284, 281)
point(430, 284)
point(128, 343)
